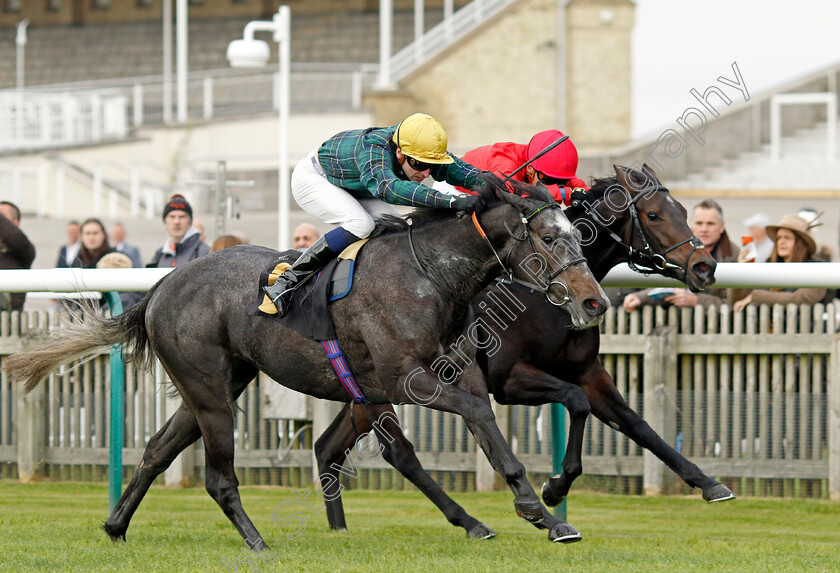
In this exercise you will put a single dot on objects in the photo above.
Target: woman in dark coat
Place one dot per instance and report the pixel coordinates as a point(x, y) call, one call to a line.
point(94, 245)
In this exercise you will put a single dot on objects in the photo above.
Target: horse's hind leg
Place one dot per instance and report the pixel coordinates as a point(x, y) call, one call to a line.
point(177, 433)
point(330, 452)
point(174, 436)
point(215, 418)
point(609, 407)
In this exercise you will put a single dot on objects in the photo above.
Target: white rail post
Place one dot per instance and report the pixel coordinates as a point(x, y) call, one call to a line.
point(44, 118)
point(419, 26)
point(167, 61)
point(69, 109)
point(113, 203)
point(95, 117)
point(41, 189)
point(150, 202)
point(448, 10)
point(386, 33)
point(181, 44)
point(97, 192)
point(134, 192)
point(60, 190)
point(356, 95)
point(17, 191)
point(207, 97)
point(137, 97)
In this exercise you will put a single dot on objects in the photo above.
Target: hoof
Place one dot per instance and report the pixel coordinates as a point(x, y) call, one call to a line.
point(718, 492)
point(481, 531)
point(549, 497)
point(532, 512)
point(115, 534)
point(564, 533)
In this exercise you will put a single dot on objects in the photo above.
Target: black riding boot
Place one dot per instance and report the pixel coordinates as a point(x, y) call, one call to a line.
point(310, 261)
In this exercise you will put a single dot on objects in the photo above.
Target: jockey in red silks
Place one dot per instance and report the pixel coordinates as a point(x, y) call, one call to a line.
point(556, 169)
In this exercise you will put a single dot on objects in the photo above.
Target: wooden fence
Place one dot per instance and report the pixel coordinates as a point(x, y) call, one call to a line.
point(753, 398)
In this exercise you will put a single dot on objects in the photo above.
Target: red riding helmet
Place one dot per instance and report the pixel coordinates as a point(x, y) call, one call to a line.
point(559, 163)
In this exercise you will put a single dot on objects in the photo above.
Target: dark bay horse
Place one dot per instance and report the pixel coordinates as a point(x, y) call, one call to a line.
point(413, 286)
point(542, 358)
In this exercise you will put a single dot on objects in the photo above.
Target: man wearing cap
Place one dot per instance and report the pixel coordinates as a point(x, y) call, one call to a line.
point(357, 174)
point(555, 168)
point(184, 243)
point(757, 225)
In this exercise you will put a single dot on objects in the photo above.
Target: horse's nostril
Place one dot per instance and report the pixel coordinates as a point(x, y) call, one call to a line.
point(593, 306)
point(701, 268)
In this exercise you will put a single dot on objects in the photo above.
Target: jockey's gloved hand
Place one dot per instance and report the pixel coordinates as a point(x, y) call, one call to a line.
point(469, 203)
point(578, 194)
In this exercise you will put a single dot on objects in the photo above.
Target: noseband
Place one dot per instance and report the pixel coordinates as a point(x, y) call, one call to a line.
point(646, 260)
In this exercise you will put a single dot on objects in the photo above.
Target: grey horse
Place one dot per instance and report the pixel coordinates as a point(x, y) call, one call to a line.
point(410, 304)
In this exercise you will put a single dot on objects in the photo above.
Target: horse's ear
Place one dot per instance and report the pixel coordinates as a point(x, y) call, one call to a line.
point(648, 171)
point(506, 196)
point(623, 177)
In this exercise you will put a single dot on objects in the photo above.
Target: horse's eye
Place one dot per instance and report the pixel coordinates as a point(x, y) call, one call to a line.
point(652, 216)
point(547, 239)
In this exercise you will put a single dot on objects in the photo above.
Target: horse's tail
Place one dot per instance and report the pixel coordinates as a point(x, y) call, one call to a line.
point(81, 340)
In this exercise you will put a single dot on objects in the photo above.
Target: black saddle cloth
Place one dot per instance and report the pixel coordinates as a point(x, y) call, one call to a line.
point(309, 312)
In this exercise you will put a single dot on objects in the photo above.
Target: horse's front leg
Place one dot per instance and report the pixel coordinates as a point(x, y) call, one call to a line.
point(399, 452)
point(528, 385)
point(610, 407)
point(422, 386)
point(332, 447)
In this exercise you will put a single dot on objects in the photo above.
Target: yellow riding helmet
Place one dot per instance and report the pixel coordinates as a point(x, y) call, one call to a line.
point(423, 138)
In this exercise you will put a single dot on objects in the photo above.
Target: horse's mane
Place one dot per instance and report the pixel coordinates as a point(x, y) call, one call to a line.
point(598, 188)
point(422, 217)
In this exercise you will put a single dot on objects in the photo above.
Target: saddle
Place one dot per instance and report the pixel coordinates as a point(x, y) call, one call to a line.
point(309, 310)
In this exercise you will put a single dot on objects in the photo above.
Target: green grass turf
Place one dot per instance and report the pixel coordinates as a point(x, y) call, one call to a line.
point(55, 527)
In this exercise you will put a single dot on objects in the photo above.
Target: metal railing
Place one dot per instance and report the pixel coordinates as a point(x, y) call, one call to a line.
point(444, 35)
point(95, 111)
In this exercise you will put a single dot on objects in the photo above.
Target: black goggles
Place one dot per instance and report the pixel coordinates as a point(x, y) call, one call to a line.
point(546, 180)
point(417, 165)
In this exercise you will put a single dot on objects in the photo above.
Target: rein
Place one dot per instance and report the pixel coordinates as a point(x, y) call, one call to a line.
point(525, 219)
point(646, 260)
point(422, 269)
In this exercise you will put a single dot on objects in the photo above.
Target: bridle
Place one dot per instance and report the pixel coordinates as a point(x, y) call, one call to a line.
point(550, 277)
point(645, 260)
point(525, 220)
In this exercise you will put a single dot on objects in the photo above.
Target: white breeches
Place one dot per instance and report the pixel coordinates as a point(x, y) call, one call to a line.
point(332, 204)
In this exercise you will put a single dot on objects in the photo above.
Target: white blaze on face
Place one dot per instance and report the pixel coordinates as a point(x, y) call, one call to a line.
point(562, 221)
point(568, 237)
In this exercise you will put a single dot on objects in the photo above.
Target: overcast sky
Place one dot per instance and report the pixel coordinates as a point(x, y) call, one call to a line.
point(684, 44)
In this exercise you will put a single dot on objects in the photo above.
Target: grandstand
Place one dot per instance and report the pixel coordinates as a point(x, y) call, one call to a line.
point(116, 65)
